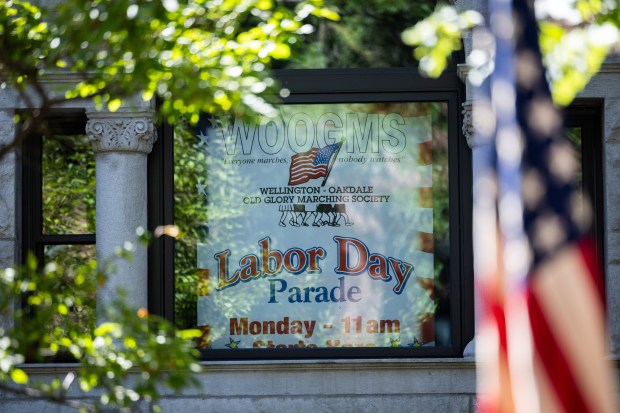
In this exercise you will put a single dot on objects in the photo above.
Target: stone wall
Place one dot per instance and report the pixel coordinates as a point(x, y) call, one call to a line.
point(342, 386)
point(7, 191)
point(7, 199)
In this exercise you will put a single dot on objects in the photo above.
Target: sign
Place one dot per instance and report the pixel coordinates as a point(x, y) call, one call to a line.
point(320, 228)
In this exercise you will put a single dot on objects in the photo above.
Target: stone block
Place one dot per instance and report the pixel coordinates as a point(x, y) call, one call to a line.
point(7, 253)
point(611, 127)
point(7, 127)
point(612, 241)
point(453, 403)
point(7, 178)
point(7, 197)
point(320, 378)
point(613, 306)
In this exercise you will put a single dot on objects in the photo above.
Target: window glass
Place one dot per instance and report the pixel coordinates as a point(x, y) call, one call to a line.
point(327, 226)
point(58, 223)
point(360, 38)
point(68, 185)
point(574, 136)
point(77, 284)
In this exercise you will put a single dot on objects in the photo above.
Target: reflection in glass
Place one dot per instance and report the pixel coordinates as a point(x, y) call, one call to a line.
point(574, 136)
point(358, 250)
point(78, 285)
point(360, 38)
point(68, 177)
point(583, 204)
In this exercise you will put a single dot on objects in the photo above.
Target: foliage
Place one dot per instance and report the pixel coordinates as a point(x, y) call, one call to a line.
point(437, 36)
point(190, 168)
point(575, 49)
point(360, 38)
point(131, 342)
point(195, 55)
point(68, 179)
point(575, 37)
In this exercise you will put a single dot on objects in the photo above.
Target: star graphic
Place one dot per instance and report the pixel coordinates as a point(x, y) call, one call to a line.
point(233, 344)
point(202, 189)
point(416, 343)
point(203, 138)
point(395, 342)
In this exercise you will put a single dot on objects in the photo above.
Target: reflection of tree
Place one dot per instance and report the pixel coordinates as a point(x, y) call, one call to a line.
point(441, 222)
point(75, 265)
point(68, 207)
point(414, 219)
point(360, 38)
point(426, 219)
point(574, 136)
point(190, 216)
point(204, 222)
point(68, 173)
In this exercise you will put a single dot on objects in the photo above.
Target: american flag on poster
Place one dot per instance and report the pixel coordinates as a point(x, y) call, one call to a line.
point(311, 164)
point(541, 342)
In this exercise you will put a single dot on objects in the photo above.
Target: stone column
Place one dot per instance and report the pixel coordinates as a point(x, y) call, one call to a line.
point(121, 142)
point(468, 123)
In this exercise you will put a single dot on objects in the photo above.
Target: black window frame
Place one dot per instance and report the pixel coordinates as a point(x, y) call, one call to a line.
point(340, 86)
point(588, 115)
point(29, 202)
point(31, 188)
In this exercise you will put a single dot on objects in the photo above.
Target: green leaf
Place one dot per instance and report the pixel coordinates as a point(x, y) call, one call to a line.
point(106, 328)
point(63, 309)
point(327, 13)
point(19, 376)
point(189, 334)
point(281, 51)
point(114, 105)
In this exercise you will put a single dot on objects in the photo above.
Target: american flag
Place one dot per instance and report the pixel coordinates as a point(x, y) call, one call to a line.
point(312, 164)
point(541, 342)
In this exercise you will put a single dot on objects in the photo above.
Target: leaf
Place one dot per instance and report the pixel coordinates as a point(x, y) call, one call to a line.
point(327, 13)
point(147, 95)
point(189, 334)
point(106, 328)
point(114, 105)
point(281, 51)
point(63, 309)
point(19, 376)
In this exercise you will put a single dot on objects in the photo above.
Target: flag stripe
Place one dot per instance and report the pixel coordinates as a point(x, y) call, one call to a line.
point(301, 177)
point(571, 304)
point(548, 400)
point(551, 356)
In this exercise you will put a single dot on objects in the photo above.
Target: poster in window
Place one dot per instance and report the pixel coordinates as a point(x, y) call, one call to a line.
point(320, 229)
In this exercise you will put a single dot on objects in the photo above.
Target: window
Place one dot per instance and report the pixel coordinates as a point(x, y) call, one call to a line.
point(584, 119)
point(364, 257)
point(58, 206)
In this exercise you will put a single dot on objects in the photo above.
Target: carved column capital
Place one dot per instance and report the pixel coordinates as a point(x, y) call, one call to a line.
point(121, 131)
point(468, 123)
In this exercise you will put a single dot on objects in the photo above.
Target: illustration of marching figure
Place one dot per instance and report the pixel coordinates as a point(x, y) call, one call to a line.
point(323, 215)
point(313, 164)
